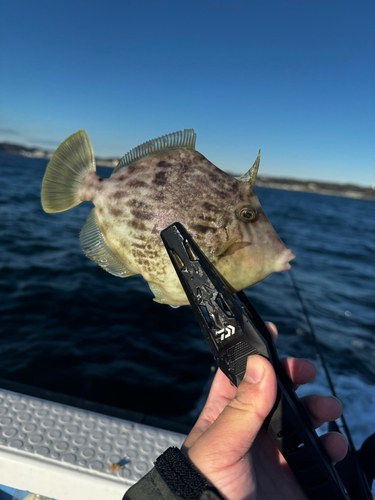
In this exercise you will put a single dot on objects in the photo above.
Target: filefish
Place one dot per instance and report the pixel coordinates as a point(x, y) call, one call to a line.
point(160, 182)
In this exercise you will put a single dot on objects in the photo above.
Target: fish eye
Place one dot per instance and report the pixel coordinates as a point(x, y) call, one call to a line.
point(246, 213)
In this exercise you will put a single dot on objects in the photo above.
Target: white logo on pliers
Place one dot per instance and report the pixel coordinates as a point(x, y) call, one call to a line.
point(226, 332)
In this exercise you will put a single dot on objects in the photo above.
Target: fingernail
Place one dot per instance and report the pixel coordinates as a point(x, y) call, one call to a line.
point(254, 370)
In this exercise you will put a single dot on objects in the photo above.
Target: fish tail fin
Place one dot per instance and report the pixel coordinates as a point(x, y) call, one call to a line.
point(68, 167)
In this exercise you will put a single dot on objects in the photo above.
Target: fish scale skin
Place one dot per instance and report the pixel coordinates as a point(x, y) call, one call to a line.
point(134, 205)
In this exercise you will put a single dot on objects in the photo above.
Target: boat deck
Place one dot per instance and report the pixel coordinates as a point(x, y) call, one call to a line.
point(67, 453)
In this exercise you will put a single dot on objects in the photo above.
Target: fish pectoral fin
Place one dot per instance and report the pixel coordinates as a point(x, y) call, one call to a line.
point(95, 248)
point(224, 246)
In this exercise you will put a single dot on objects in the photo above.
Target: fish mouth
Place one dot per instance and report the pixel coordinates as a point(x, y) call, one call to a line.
point(286, 267)
point(287, 256)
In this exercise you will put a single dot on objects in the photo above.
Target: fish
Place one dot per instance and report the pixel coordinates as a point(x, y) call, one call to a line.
point(156, 184)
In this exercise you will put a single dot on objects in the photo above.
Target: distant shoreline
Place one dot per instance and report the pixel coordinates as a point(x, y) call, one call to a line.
point(320, 187)
point(30, 152)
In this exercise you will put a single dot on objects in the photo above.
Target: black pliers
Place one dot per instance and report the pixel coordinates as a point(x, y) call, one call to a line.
point(234, 331)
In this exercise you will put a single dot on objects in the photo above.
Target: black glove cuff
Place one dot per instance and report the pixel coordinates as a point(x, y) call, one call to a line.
point(182, 478)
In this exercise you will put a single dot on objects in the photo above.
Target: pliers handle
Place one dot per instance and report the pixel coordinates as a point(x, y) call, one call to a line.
point(234, 330)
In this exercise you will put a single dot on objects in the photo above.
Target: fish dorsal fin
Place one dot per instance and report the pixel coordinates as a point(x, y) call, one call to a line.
point(95, 248)
point(182, 139)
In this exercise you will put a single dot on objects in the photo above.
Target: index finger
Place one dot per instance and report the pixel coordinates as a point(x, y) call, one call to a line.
point(221, 393)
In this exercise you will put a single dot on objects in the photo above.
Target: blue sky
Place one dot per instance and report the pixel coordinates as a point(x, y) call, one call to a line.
point(295, 78)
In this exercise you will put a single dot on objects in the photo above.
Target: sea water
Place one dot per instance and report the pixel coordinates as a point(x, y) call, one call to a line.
point(69, 326)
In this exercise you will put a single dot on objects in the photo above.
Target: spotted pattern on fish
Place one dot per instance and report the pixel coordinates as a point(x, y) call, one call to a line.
point(210, 204)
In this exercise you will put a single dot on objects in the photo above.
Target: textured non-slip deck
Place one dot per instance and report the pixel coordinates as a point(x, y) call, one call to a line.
point(70, 454)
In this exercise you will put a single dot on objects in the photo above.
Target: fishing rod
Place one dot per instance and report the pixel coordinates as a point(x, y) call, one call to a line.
point(320, 355)
point(234, 330)
point(352, 468)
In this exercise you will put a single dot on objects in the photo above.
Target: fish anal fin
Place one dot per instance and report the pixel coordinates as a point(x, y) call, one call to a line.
point(156, 290)
point(95, 248)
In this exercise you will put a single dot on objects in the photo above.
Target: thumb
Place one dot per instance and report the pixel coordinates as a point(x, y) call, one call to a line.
point(234, 431)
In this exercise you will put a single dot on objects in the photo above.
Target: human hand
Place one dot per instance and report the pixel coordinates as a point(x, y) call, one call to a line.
point(231, 449)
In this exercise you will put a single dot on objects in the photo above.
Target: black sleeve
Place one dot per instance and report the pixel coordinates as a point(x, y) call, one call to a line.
point(174, 477)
